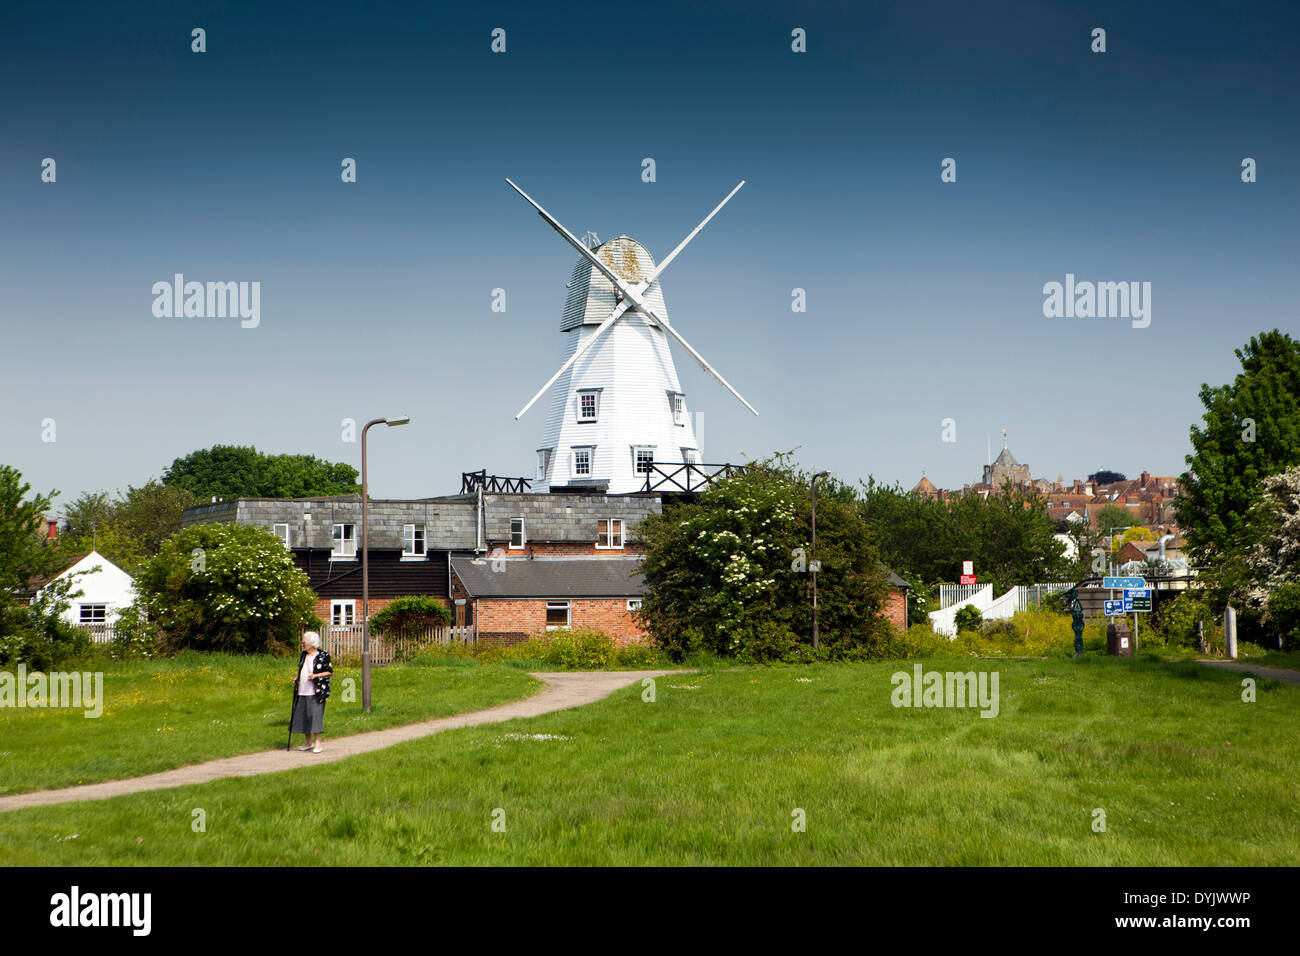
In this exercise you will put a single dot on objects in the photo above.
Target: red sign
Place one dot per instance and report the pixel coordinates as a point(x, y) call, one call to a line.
point(967, 579)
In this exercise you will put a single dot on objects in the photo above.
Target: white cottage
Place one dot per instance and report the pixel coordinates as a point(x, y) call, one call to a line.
point(105, 591)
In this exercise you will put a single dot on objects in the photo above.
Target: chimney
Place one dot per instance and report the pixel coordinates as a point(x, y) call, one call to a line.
point(51, 528)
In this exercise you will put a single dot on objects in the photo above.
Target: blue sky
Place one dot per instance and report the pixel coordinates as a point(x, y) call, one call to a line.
point(924, 298)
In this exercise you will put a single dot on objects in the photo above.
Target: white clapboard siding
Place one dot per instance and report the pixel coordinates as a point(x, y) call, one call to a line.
point(633, 367)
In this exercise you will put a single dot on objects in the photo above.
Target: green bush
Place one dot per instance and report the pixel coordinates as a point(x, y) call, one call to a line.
point(1284, 614)
point(37, 635)
point(581, 649)
point(409, 616)
point(232, 588)
point(968, 618)
point(134, 636)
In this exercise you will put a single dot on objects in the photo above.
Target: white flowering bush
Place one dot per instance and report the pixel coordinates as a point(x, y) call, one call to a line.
point(728, 572)
point(1274, 560)
point(226, 587)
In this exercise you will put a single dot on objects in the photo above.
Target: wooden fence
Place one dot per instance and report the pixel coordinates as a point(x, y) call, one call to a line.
point(346, 642)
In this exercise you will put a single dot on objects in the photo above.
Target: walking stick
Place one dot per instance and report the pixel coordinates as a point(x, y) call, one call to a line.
point(289, 744)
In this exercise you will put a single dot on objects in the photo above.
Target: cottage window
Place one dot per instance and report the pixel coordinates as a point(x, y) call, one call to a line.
point(634, 604)
point(609, 533)
point(93, 613)
point(413, 541)
point(343, 613)
point(345, 541)
point(281, 531)
point(557, 615)
point(517, 532)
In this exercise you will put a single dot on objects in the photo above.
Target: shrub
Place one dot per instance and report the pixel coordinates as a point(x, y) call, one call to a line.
point(968, 618)
point(638, 657)
point(134, 636)
point(409, 616)
point(37, 634)
point(584, 648)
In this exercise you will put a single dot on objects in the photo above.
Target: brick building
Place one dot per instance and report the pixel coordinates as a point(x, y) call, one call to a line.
point(568, 559)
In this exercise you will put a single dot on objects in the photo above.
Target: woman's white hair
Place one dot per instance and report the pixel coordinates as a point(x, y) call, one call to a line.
point(312, 638)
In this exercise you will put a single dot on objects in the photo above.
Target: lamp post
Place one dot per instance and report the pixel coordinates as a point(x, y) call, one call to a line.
point(365, 560)
point(812, 561)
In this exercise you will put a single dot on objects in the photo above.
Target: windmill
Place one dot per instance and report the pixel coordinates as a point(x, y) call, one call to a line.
point(619, 407)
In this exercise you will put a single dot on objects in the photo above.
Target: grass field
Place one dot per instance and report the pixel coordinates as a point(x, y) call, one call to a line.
point(714, 769)
point(168, 713)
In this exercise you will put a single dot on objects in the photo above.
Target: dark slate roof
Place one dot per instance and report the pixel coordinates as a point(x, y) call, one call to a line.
point(898, 582)
point(551, 577)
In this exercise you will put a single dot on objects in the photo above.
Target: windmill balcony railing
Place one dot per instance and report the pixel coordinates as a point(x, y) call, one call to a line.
point(471, 481)
point(687, 478)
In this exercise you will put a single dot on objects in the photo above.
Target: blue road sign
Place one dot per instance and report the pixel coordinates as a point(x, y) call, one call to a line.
point(1113, 608)
point(1128, 605)
point(1117, 584)
point(1137, 593)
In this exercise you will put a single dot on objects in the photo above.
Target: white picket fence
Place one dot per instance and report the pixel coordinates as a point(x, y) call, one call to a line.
point(346, 642)
point(1018, 598)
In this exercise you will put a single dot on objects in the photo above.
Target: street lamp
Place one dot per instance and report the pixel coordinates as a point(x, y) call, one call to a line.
point(365, 561)
point(812, 562)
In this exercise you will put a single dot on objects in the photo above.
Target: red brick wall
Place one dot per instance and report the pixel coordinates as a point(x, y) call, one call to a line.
point(527, 616)
point(323, 605)
point(895, 609)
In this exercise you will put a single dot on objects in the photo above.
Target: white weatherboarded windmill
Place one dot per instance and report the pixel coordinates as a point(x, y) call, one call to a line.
point(618, 408)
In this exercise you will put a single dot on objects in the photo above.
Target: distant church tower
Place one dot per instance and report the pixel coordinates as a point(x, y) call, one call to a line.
point(1005, 468)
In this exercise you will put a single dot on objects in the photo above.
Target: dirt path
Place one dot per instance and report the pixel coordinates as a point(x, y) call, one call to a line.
point(564, 691)
point(1272, 673)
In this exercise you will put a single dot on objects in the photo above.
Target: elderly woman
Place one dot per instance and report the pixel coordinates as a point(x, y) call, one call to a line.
point(313, 680)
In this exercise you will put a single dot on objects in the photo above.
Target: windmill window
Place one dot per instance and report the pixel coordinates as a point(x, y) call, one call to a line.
point(690, 456)
point(588, 406)
point(582, 461)
point(679, 407)
point(543, 462)
point(644, 457)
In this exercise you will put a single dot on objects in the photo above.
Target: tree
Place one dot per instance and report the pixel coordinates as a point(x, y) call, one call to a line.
point(1105, 477)
point(1113, 517)
point(23, 550)
point(152, 513)
point(1274, 560)
point(1250, 430)
point(88, 512)
point(227, 588)
point(231, 471)
point(728, 573)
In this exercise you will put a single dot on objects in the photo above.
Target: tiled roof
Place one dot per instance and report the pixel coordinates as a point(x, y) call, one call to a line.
point(551, 577)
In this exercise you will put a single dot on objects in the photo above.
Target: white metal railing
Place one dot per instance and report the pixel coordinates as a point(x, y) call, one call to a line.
point(950, 594)
point(1017, 598)
point(345, 641)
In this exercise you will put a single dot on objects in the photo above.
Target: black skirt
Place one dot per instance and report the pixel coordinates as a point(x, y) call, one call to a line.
point(308, 715)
